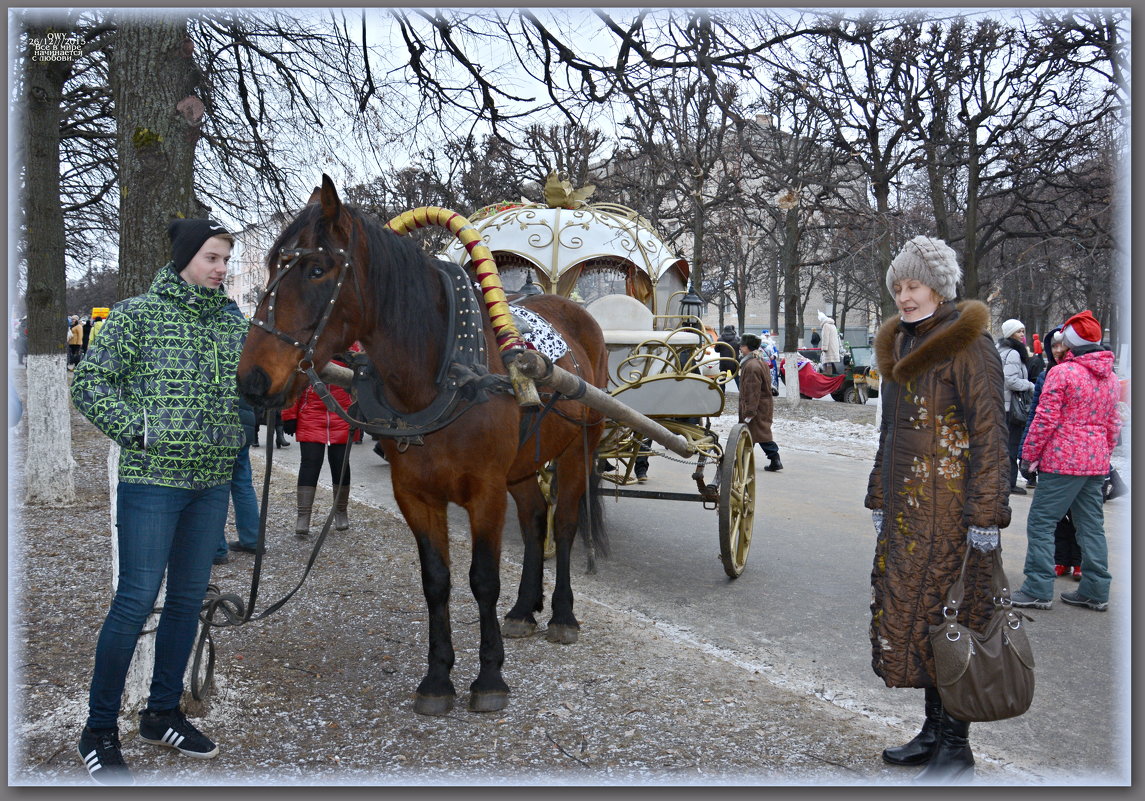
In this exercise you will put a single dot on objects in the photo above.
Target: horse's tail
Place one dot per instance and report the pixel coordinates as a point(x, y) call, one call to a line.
point(590, 522)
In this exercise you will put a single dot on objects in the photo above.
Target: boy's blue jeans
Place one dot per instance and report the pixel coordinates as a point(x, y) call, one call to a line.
point(246, 504)
point(160, 530)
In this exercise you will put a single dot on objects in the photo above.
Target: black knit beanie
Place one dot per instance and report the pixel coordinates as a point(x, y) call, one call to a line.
point(187, 236)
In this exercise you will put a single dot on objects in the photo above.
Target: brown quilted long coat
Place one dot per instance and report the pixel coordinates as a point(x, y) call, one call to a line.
point(755, 400)
point(941, 467)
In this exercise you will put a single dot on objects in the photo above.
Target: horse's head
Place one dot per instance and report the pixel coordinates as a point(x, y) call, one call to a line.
point(313, 301)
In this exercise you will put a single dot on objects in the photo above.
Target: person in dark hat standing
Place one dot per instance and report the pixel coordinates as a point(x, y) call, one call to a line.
point(1069, 442)
point(160, 381)
point(756, 404)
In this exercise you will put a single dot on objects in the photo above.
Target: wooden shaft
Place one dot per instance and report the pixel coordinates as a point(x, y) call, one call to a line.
point(532, 365)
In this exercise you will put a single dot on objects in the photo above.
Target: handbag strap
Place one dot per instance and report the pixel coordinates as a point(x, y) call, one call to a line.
point(957, 590)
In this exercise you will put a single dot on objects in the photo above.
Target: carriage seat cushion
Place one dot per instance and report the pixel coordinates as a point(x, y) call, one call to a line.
point(627, 321)
point(620, 312)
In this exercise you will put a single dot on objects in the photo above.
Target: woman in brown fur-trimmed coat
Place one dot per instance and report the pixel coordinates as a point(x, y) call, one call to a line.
point(940, 484)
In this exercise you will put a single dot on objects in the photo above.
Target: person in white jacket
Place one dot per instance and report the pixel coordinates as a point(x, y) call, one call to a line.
point(832, 356)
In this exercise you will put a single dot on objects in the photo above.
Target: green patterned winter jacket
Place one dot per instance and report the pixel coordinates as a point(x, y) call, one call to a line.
point(160, 381)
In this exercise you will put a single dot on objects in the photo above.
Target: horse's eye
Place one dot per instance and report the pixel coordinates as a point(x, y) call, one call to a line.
point(317, 271)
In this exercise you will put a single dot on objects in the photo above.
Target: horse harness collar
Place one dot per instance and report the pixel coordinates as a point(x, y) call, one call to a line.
point(463, 378)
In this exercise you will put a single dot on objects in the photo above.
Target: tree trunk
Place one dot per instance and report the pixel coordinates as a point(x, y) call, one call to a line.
point(791, 377)
point(48, 467)
point(773, 306)
point(154, 80)
point(882, 212)
point(698, 242)
point(970, 251)
point(789, 258)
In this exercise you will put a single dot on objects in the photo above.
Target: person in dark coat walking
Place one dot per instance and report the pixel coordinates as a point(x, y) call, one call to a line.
point(939, 485)
point(243, 496)
point(729, 357)
point(1067, 554)
point(756, 405)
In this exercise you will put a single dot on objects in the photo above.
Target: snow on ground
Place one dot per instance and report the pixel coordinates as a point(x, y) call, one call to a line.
point(815, 435)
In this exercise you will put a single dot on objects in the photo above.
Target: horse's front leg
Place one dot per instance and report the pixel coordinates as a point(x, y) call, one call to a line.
point(488, 692)
point(435, 695)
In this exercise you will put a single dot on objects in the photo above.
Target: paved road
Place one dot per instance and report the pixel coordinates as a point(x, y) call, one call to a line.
point(798, 614)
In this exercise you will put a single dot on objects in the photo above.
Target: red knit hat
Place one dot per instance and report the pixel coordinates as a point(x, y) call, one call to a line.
point(1085, 326)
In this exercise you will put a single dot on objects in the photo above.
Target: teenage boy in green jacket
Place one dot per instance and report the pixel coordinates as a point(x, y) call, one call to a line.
point(160, 381)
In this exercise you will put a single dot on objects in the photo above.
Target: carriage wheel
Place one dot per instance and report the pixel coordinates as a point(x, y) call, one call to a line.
point(737, 499)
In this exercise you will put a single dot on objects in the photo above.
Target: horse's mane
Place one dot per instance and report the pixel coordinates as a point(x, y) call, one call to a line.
point(398, 273)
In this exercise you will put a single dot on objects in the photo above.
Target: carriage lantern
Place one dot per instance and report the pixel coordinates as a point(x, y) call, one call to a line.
point(691, 307)
point(529, 288)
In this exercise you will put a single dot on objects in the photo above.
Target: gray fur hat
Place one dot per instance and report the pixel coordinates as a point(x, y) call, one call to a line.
point(930, 261)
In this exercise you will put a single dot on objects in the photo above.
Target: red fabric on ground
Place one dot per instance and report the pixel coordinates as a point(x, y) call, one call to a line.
point(815, 384)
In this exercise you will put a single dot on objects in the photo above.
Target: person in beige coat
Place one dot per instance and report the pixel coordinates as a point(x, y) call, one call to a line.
point(755, 399)
point(75, 341)
point(940, 485)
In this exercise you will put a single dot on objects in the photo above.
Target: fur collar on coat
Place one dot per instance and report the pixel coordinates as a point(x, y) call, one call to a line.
point(950, 334)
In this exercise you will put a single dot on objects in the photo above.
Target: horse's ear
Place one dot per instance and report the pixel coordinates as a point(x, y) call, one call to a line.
point(328, 197)
point(315, 196)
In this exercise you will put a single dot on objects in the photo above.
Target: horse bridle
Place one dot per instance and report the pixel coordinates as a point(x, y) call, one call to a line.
point(293, 256)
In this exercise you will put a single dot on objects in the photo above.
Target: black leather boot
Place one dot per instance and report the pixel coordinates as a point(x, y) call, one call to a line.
point(952, 761)
point(919, 750)
point(774, 465)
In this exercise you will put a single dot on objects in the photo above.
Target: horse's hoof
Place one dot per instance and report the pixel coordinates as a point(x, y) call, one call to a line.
point(493, 701)
point(517, 628)
point(559, 633)
point(433, 704)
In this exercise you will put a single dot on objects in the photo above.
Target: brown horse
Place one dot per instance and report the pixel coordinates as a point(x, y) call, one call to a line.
point(338, 275)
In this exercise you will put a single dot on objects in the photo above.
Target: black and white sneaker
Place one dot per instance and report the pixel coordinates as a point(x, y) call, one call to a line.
point(101, 755)
point(171, 728)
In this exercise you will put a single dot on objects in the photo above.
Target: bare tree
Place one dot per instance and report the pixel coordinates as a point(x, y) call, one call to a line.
point(48, 467)
point(866, 93)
